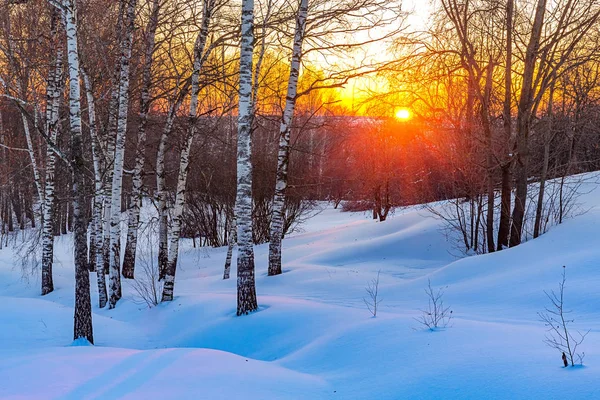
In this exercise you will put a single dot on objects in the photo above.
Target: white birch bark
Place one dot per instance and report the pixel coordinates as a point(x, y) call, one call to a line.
point(116, 189)
point(136, 196)
point(163, 244)
point(54, 91)
point(283, 157)
point(246, 289)
point(255, 86)
point(113, 111)
point(96, 242)
point(232, 239)
point(161, 194)
point(83, 306)
point(177, 212)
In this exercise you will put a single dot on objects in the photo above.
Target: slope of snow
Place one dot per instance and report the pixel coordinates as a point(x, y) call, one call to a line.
point(313, 337)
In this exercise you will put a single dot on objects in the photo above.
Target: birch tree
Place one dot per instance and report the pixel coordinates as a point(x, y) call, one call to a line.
point(329, 21)
point(83, 305)
point(200, 56)
point(161, 190)
point(82, 328)
point(113, 111)
point(277, 221)
point(54, 92)
point(44, 187)
point(136, 195)
point(246, 287)
point(96, 241)
point(116, 190)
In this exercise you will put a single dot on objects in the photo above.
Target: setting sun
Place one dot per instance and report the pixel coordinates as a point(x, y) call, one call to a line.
point(403, 114)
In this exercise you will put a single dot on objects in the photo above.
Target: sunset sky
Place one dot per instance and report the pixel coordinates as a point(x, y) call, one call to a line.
point(358, 89)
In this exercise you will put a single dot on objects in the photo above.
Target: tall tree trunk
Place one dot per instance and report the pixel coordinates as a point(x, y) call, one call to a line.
point(99, 198)
point(283, 157)
point(113, 111)
point(161, 191)
point(136, 195)
point(83, 305)
point(199, 57)
point(53, 96)
point(523, 124)
point(116, 190)
point(485, 119)
point(163, 238)
point(246, 288)
point(506, 189)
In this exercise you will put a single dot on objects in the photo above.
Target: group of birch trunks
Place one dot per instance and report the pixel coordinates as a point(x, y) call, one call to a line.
point(150, 84)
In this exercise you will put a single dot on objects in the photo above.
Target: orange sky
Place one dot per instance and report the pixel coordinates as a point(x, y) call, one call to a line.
point(357, 90)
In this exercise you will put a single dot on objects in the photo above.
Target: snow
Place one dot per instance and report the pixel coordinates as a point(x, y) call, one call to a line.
point(313, 337)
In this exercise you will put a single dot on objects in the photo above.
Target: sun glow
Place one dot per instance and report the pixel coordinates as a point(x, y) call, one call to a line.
point(403, 114)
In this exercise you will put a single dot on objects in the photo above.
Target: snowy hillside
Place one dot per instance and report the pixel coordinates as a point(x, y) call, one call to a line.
point(313, 337)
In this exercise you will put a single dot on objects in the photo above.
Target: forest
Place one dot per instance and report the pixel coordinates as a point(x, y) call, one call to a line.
point(231, 122)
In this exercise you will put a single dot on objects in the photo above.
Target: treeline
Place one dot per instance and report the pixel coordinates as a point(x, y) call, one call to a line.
point(194, 105)
point(507, 96)
point(226, 119)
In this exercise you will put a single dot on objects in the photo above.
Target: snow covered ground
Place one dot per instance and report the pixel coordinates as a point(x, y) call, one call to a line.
point(313, 337)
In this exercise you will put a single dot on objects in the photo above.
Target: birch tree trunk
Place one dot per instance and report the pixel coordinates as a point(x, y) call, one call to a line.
point(232, 239)
point(136, 196)
point(254, 95)
point(246, 288)
point(54, 91)
point(83, 306)
point(199, 57)
point(283, 158)
point(113, 111)
point(163, 241)
point(116, 190)
point(97, 200)
point(161, 194)
point(96, 243)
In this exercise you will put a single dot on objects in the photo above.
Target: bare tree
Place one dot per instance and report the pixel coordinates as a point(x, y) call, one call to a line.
point(146, 284)
point(556, 319)
point(372, 300)
point(436, 315)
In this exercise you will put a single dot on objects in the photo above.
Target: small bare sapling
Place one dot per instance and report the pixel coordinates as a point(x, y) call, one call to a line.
point(436, 315)
point(372, 299)
point(559, 337)
point(147, 284)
